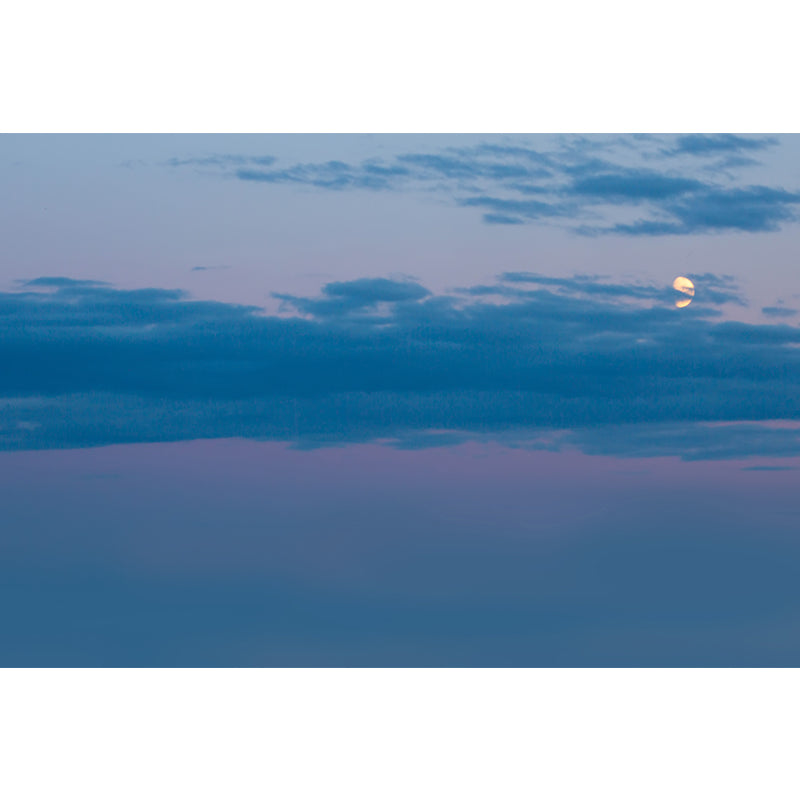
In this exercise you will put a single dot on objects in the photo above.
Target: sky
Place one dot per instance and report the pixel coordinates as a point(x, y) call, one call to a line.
point(399, 400)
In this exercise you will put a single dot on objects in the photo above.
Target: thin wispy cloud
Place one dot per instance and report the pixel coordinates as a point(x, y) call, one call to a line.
point(768, 469)
point(222, 161)
point(699, 144)
point(579, 184)
point(779, 311)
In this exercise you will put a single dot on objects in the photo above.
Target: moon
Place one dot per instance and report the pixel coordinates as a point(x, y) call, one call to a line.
point(685, 287)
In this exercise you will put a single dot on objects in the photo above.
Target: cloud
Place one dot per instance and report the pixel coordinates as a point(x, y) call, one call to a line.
point(699, 144)
point(778, 311)
point(768, 469)
point(61, 283)
point(502, 219)
point(693, 442)
point(633, 185)
point(752, 209)
point(558, 362)
point(345, 297)
point(221, 161)
point(329, 175)
point(755, 208)
point(532, 209)
point(572, 182)
point(715, 290)
point(472, 168)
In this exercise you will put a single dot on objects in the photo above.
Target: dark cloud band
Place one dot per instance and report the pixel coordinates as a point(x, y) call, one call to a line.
point(86, 364)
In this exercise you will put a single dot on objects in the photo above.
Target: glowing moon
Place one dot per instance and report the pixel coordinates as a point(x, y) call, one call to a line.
point(684, 286)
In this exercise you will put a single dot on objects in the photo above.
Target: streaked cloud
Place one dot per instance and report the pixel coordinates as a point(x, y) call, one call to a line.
point(778, 311)
point(753, 209)
point(698, 144)
point(582, 184)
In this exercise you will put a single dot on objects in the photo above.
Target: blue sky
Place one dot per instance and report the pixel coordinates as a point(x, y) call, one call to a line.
point(400, 399)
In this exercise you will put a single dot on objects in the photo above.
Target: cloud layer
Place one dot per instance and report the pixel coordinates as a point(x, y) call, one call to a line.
point(532, 361)
point(671, 185)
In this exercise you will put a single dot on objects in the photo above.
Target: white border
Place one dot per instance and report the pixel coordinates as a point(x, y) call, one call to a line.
point(399, 734)
point(423, 65)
